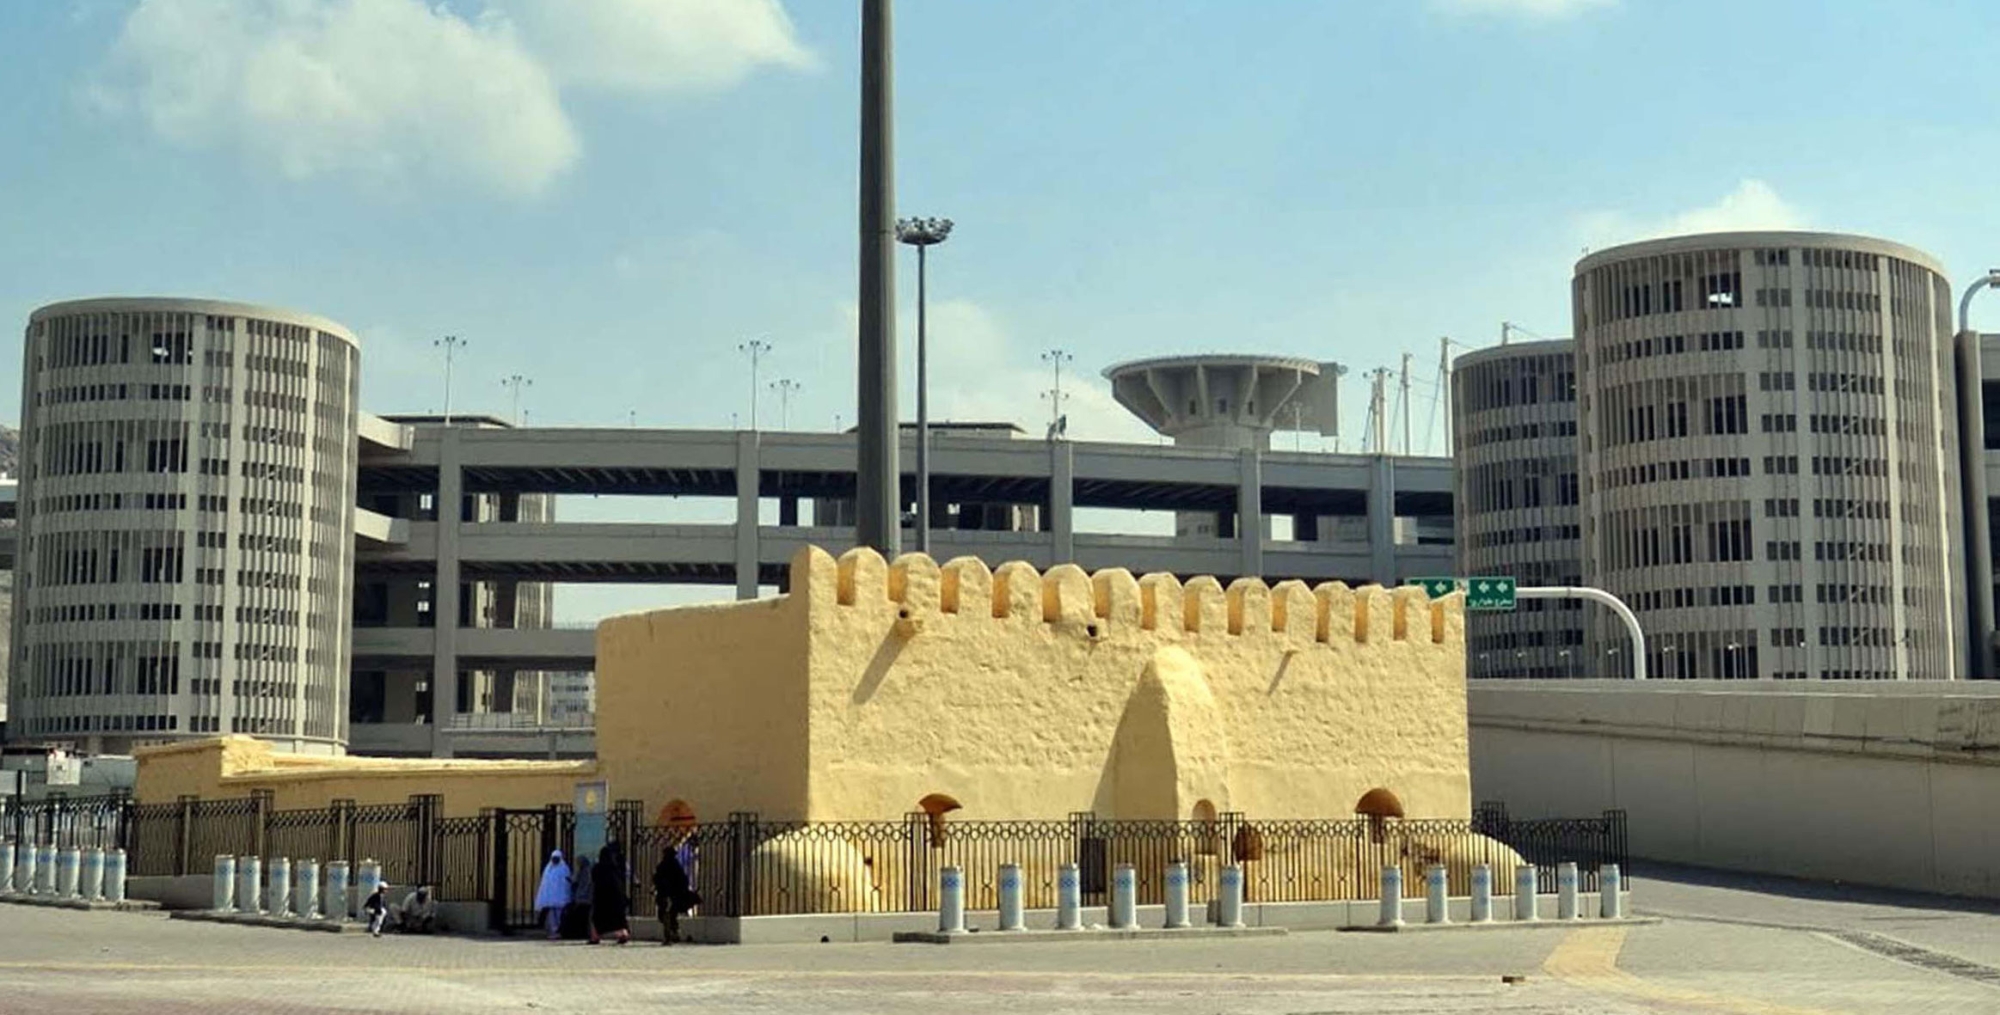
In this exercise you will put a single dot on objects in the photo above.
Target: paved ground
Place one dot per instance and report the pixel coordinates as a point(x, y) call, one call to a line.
point(1811, 950)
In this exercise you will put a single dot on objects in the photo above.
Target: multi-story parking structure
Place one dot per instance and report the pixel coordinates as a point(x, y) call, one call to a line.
point(185, 502)
point(787, 477)
point(1769, 430)
point(1513, 414)
point(494, 703)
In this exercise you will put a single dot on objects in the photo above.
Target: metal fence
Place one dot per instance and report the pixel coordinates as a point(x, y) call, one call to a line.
point(745, 866)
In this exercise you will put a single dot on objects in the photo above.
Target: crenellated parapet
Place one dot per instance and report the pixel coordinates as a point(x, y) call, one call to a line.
point(1113, 602)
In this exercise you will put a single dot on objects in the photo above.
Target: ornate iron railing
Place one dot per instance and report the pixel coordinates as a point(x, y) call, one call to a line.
point(745, 866)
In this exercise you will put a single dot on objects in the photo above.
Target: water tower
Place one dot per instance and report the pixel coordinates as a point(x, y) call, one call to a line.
point(1228, 403)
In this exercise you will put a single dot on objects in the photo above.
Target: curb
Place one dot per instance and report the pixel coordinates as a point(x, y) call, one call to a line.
point(1022, 937)
point(1491, 925)
point(85, 905)
point(263, 920)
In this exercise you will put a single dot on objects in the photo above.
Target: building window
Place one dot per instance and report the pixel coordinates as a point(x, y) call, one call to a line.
point(1724, 289)
point(1729, 540)
point(1728, 415)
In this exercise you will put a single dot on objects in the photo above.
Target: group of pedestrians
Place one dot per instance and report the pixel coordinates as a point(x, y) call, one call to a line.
point(590, 899)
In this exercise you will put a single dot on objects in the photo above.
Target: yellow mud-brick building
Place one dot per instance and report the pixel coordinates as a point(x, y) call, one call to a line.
point(871, 688)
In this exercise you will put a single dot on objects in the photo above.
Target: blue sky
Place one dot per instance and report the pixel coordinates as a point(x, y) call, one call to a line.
point(609, 196)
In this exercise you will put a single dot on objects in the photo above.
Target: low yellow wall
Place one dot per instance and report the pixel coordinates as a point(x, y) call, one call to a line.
point(237, 766)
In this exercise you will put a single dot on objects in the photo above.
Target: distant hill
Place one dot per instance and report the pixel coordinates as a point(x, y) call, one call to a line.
point(10, 450)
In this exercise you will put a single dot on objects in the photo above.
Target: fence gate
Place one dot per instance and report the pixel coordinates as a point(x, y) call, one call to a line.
point(521, 844)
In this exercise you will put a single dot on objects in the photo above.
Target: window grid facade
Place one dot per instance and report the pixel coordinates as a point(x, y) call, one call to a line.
point(187, 549)
point(1807, 471)
point(1516, 494)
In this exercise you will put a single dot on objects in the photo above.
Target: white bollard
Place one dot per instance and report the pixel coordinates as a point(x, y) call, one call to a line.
point(6, 868)
point(305, 890)
point(224, 898)
point(1229, 896)
point(69, 866)
point(1524, 893)
point(1124, 897)
point(45, 870)
point(1177, 895)
point(1069, 898)
point(1566, 898)
point(1010, 897)
point(92, 888)
point(1482, 894)
point(249, 883)
point(951, 901)
point(278, 896)
point(1392, 898)
point(24, 869)
point(1436, 905)
point(336, 891)
point(114, 876)
point(1610, 892)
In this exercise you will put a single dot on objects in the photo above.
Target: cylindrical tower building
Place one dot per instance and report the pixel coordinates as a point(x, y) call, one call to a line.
point(1769, 446)
point(1513, 417)
point(186, 525)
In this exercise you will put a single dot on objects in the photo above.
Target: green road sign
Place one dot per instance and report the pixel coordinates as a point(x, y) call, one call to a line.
point(1435, 588)
point(1489, 593)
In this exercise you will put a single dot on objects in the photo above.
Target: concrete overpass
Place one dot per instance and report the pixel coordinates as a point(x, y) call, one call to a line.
point(1056, 476)
point(408, 465)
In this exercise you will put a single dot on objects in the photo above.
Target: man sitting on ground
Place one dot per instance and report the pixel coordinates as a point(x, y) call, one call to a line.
point(417, 913)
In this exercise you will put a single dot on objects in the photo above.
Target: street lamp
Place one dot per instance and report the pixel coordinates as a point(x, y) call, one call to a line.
point(784, 386)
point(515, 382)
point(756, 347)
point(1990, 279)
point(450, 344)
point(1057, 424)
point(923, 234)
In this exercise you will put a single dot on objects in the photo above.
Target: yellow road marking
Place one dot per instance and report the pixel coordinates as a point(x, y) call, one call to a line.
point(1587, 953)
point(1588, 958)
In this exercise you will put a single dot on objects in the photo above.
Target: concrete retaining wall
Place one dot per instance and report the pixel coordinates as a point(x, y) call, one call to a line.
point(1889, 784)
point(194, 891)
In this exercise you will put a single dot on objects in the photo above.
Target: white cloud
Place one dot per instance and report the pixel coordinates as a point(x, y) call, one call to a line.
point(658, 45)
point(383, 89)
point(397, 89)
point(1539, 9)
point(979, 374)
point(1753, 205)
